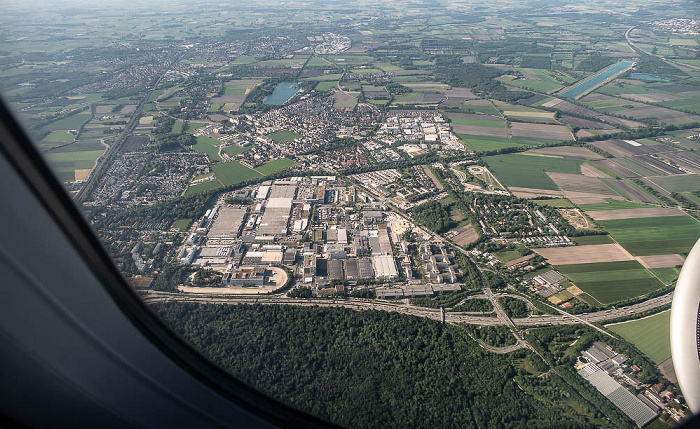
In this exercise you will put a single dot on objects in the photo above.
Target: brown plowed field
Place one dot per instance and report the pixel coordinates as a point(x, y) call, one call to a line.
point(661, 261)
point(554, 132)
point(621, 171)
point(634, 213)
point(586, 123)
point(534, 193)
point(590, 171)
point(480, 131)
point(585, 254)
point(467, 234)
point(633, 192)
point(474, 116)
point(580, 183)
point(650, 98)
point(572, 152)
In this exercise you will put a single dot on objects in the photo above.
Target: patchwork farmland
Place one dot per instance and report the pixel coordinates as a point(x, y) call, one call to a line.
point(609, 282)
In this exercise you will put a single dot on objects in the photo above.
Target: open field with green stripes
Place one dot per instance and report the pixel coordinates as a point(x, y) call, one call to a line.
point(613, 205)
point(651, 335)
point(486, 143)
point(208, 145)
point(654, 236)
point(72, 122)
point(234, 172)
point(235, 149)
point(593, 239)
point(530, 171)
point(284, 136)
point(609, 282)
point(276, 165)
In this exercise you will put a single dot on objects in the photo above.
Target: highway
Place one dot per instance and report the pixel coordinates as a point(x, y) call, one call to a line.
point(428, 313)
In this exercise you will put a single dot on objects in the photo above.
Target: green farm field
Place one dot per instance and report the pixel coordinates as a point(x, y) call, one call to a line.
point(235, 149)
point(678, 182)
point(284, 136)
point(479, 122)
point(593, 239)
point(651, 335)
point(654, 236)
point(234, 172)
point(72, 122)
point(203, 187)
point(667, 275)
point(182, 224)
point(191, 126)
point(483, 143)
point(208, 145)
point(609, 282)
point(530, 171)
point(61, 136)
point(86, 155)
point(326, 85)
point(276, 165)
point(612, 205)
point(317, 62)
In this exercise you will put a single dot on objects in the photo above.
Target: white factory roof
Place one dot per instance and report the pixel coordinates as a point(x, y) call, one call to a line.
point(274, 203)
point(385, 267)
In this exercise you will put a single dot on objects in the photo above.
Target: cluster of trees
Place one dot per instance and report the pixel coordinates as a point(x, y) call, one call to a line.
point(443, 300)
point(367, 369)
point(599, 151)
point(470, 272)
point(300, 292)
point(536, 62)
point(656, 66)
point(514, 307)
point(474, 305)
point(481, 79)
point(685, 201)
point(434, 216)
point(206, 277)
point(165, 140)
point(398, 89)
point(594, 62)
point(497, 336)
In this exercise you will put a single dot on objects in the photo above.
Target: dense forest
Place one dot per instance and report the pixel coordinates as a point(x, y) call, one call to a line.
point(376, 369)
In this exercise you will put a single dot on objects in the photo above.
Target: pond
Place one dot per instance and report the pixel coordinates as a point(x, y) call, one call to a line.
point(282, 93)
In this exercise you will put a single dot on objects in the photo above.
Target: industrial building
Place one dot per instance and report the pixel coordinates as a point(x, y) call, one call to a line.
point(275, 219)
point(228, 224)
point(246, 276)
point(629, 404)
point(384, 267)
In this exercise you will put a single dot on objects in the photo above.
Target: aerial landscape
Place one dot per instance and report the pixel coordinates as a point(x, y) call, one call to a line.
point(389, 214)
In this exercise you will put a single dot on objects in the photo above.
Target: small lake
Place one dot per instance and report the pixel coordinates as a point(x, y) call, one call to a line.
point(596, 80)
point(647, 77)
point(282, 93)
